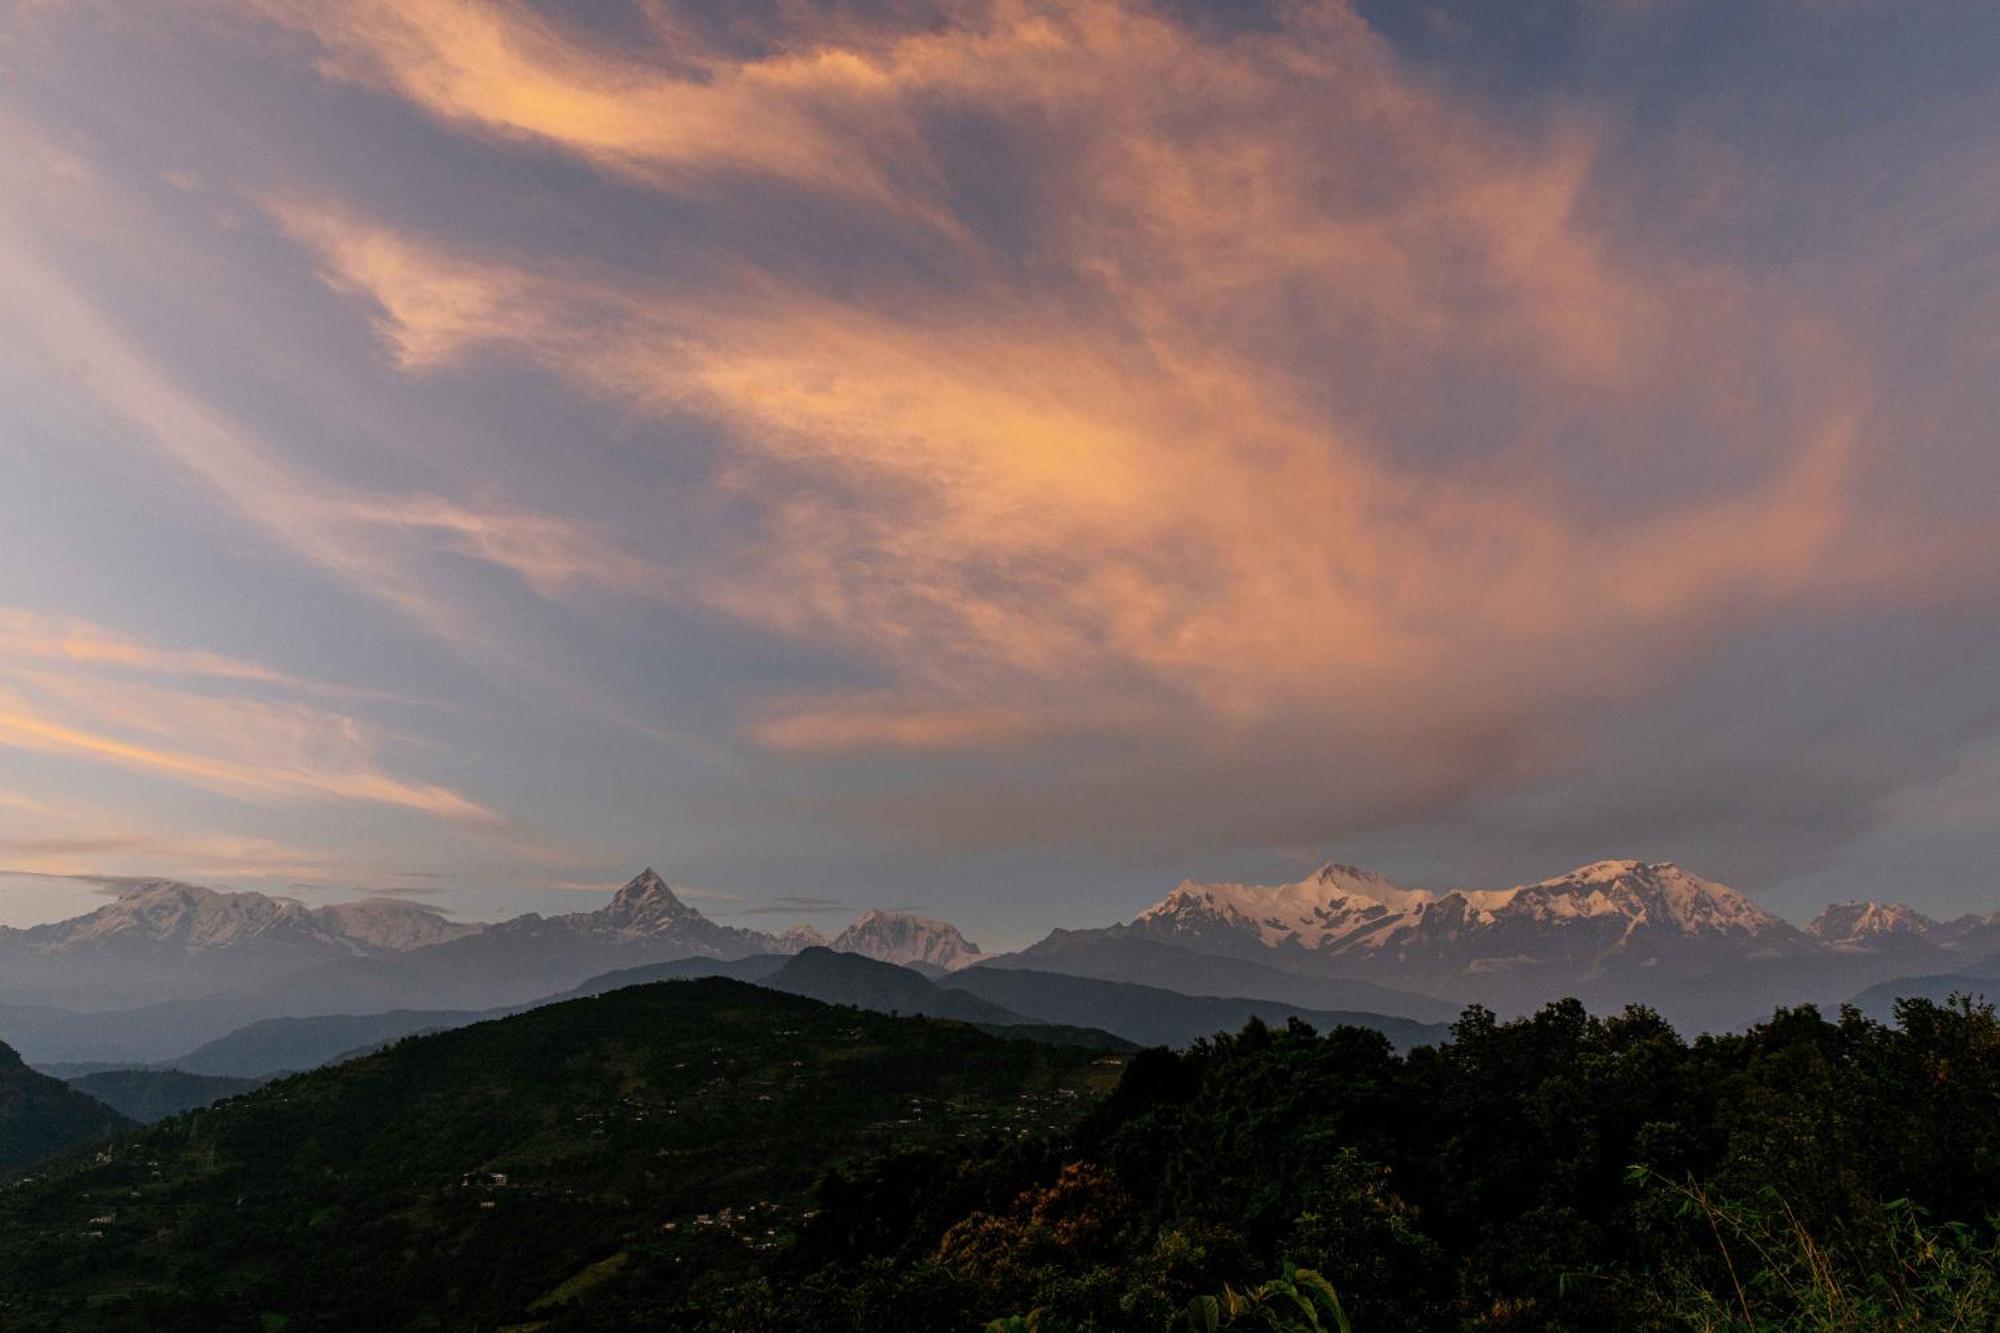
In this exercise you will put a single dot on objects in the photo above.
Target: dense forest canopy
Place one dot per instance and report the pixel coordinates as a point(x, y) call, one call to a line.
point(611, 1163)
point(1556, 1172)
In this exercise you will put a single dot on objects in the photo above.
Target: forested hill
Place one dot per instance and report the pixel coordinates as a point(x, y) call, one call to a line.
point(1559, 1172)
point(630, 1151)
point(705, 1155)
point(40, 1115)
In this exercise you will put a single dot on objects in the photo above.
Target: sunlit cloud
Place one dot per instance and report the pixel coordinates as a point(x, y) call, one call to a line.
point(799, 905)
point(26, 805)
point(99, 848)
point(1002, 499)
point(1154, 425)
point(840, 724)
point(550, 555)
point(796, 115)
point(86, 704)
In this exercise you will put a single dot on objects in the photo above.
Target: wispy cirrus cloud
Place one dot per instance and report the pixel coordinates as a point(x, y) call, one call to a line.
point(1000, 495)
point(1293, 408)
point(797, 905)
point(79, 691)
point(377, 542)
point(1013, 425)
point(86, 855)
point(29, 634)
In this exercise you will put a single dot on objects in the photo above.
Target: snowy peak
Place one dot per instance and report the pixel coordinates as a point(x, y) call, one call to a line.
point(1861, 924)
point(1334, 878)
point(188, 915)
point(393, 925)
point(648, 915)
point(899, 937)
point(1326, 910)
point(165, 916)
point(1344, 912)
point(646, 906)
point(800, 938)
point(1661, 895)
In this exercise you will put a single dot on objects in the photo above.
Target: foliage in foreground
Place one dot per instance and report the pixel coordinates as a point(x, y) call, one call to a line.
point(1558, 1172)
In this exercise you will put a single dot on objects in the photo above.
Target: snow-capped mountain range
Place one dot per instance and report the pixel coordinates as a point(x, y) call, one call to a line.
point(187, 918)
point(1611, 932)
point(1866, 925)
point(1589, 915)
point(162, 939)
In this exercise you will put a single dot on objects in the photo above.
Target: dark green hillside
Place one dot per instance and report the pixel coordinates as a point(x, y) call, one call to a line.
point(147, 1095)
point(40, 1115)
point(1879, 1001)
point(1559, 1173)
point(711, 1156)
point(551, 1167)
point(1151, 1016)
point(291, 1045)
point(849, 978)
point(754, 968)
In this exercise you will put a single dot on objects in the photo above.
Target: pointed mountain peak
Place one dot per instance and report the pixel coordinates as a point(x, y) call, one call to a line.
point(645, 906)
point(645, 889)
point(646, 884)
point(1336, 872)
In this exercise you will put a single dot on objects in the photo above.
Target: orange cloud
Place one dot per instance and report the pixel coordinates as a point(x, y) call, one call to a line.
point(24, 730)
point(28, 634)
point(74, 689)
point(1148, 469)
point(989, 501)
point(840, 724)
point(110, 847)
point(549, 554)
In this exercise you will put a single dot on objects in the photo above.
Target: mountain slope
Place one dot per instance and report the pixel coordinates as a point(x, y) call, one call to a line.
point(289, 1045)
point(1876, 925)
point(171, 950)
point(1861, 924)
point(1151, 1016)
point(1624, 909)
point(41, 1116)
point(848, 978)
point(292, 1045)
point(516, 962)
point(755, 969)
point(524, 958)
point(147, 1095)
point(1596, 932)
point(1879, 1001)
point(1118, 954)
point(160, 938)
point(907, 940)
point(651, 1135)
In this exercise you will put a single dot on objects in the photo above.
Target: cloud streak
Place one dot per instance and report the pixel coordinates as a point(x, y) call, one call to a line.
point(67, 689)
point(352, 535)
point(1107, 430)
point(1129, 490)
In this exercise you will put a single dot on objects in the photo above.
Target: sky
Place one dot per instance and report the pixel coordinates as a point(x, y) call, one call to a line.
point(996, 459)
